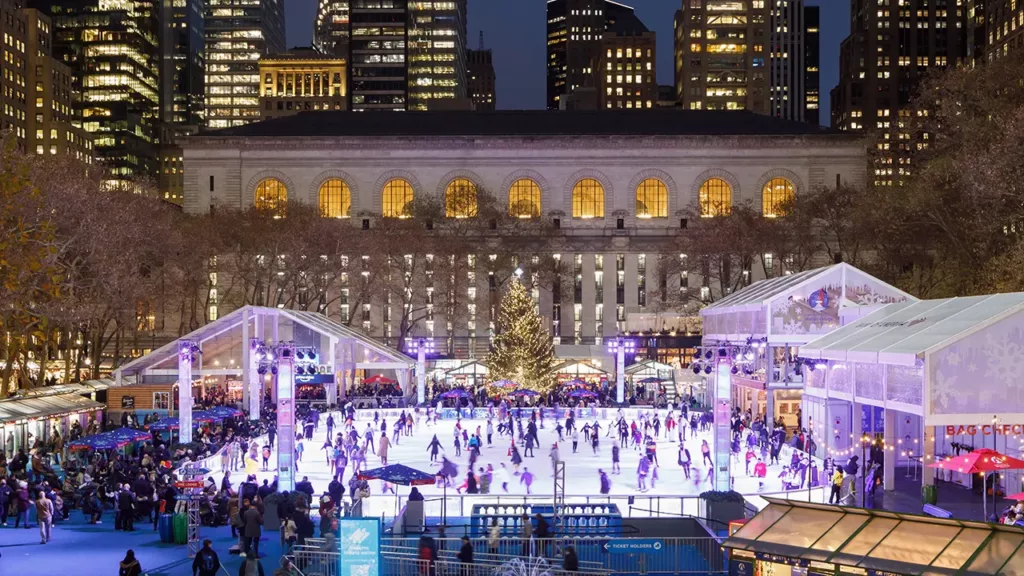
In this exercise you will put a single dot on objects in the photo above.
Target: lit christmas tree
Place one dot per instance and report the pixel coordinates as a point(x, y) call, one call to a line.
point(522, 349)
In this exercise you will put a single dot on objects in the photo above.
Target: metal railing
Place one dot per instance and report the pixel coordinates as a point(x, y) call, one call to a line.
point(675, 556)
point(461, 505)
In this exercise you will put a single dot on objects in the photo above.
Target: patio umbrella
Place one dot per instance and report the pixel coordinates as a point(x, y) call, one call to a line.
point(205, 416)
point(507, 384)
point(131, 434)
point(525, 392)
point(1017, 496)
point(576, 383)
point(102, 441)
point(456, 393)
point(399, 474)
point(379, 379)
point(582, 394)
point(165, 424)
point(225, 411)
point(981, 461)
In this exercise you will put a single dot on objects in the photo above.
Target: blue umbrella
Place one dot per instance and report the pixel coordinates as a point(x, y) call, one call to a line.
point(205, 416)
point(225, 411)
point(399, 474)
point(103, 441)
point(165, 424)
point(525, 393)
point(508, 384)
point(131, 434)
point(457, 393)
point(582, 394)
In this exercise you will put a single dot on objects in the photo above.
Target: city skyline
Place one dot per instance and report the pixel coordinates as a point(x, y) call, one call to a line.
point(519, 44)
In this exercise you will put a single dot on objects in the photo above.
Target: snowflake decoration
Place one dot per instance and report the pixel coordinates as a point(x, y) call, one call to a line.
point(972, 367)
point(944, 389)
point(953, 358)
point(1005, 360)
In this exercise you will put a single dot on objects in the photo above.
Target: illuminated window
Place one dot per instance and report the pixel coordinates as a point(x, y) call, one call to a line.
point(588, 199)
point(272, 197)
point(777, 193)
point(396, 198)
point(715, 198)
point(335, 199)
point(460, 199)
point(652, 199)
point(524, 199)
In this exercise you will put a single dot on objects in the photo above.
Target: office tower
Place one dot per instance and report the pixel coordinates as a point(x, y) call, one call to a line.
point(721, 55)
point(812, 59)
point(626, 75)
point(1000, 26)
point(44, 121)
point(302, 80)
point(575, 31)
point(436, 42)
point(790, 39)
point(112, 50)
point(331, 30)
point(480, 77)
point(378, 73)
point(238, 33)
point(182, 63)
point(881, 63)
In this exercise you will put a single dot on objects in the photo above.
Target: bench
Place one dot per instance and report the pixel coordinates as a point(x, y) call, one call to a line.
point(932, 510)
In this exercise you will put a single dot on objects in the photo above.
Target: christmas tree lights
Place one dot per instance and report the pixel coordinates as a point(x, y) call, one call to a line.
point(522, 348)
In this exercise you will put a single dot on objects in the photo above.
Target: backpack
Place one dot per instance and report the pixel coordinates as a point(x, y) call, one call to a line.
point(208, 564)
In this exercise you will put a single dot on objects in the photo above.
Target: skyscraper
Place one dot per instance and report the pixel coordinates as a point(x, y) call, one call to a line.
point(721, 55)
point(437, 54)
point(112, 50)
point(238, 33)
point(625, 74)
point(378, 67)
point(480, 78)
point(812, 60)
point(302, 79)
point(331, 29)
point(575, 31)
point(793, 38)
point(889, 51)
point(182, 65)
point(1001, 26)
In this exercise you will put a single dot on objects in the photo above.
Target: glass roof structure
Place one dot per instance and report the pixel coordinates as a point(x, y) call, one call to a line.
point(881, 541)
point(16, 409)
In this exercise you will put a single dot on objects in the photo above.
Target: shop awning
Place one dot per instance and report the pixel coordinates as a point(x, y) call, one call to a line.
point(880, 541)
point(45, 406)
point(902, 333)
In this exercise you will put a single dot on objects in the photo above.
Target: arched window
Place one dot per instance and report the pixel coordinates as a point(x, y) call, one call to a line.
point(775, 197)
point(715, 198)
point(524, 199)
point(588, 199)
point(335, 199)
point(652, 199)
point(396, 199)
point(460, 199)
point(272, 197)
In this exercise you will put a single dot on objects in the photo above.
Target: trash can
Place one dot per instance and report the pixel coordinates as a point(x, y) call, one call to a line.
point(929, 494)
point(180, 528)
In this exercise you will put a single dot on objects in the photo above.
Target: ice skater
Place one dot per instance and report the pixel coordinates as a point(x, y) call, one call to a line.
point(641, 474)
point(503, 477)
point(594, 440)
point(705, 450)
point(616, 469)
point(606, 483)
point(526, 478)
point(575, 440)
point(434, 447)
point(684, 460)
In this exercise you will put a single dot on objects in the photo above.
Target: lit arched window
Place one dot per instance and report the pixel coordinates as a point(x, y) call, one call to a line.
point(460, 199)
point(775, 196)
point(524, 199)
point(272, 197)
point(715, 198)
point(652, 199)
point(396, 199)
point(588, 199)
point(335, 199)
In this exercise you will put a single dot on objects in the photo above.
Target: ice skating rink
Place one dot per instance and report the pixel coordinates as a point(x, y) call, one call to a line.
point(581, 467)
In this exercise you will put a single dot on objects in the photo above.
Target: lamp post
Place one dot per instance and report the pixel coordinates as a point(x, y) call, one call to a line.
point(865, 441)
point(619, 347)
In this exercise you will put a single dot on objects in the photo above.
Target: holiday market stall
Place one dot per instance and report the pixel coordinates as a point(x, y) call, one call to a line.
point(937, 378)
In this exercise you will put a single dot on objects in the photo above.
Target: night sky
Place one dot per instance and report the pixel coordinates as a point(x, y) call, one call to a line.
point(515, 30)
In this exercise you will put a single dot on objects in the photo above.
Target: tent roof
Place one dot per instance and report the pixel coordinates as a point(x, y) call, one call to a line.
point(85, 387)
point(647, 366)
point(312, 320)
point(880, 540)
point(761, 293)
point(469, 368)
point(903, 332)
point(41, 407)
point(577, 367)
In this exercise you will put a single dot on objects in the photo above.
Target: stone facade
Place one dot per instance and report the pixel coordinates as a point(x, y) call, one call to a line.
point(612, 256)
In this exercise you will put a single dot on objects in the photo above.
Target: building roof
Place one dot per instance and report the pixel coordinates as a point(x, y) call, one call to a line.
point(16, 409)
point(876, 541)
point(524, 123)
point(903, 332)
point(627, 25)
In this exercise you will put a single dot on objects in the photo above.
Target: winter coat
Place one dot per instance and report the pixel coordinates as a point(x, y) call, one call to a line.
point(382, 451)
point(23, 500)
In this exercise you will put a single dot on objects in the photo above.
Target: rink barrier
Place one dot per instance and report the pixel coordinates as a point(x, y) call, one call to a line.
point(549, 415)
point(576, 518)
point(677, 556)
point(462, 505)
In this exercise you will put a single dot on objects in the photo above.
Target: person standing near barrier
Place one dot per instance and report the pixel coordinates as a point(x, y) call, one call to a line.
point(44, 513)
point(493, 536)
point(465, 556)
point(526, 532)
point(571, 562)
point(252, 522)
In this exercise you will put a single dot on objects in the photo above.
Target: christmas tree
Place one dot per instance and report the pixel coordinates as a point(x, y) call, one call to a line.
point(522, 349)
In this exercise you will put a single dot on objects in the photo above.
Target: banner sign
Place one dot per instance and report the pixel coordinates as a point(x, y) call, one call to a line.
point(360, 547)
point(986, 430)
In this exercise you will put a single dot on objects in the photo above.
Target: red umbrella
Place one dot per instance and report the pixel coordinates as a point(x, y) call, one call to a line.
point(379, 379)
point(981, 461)
point(1017, 496)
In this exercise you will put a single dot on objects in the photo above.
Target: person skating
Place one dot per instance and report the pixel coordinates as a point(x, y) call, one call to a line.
point(616, 469)
point(553, 454)
point(503, 477)
point(575, 440)
point(206, 563)
point(684, 460)
point(641, 474)
point(705, 450)
point(434, 447)
point(383, 450)
point(594, 441)
point(531, 441)
point(605, 482)
point(526, 478)
point(490, 431)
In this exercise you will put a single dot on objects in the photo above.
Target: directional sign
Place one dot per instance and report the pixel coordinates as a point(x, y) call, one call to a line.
point(634, 546)
point(189, 484)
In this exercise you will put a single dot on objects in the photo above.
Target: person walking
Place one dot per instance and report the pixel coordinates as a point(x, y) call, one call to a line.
point(251, 567)
point(44, 514)
point(6, 495)
point(23, 504)
point(207, 563)
point(252, 529)
point(129, 566)
point(465, 556)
